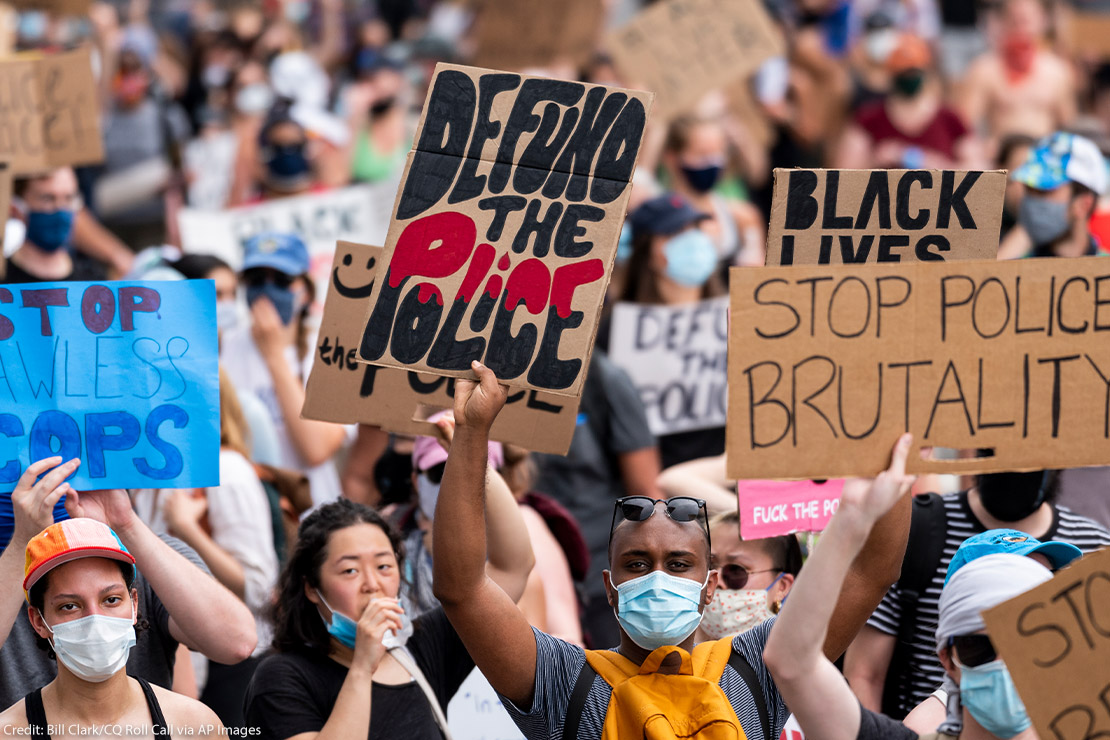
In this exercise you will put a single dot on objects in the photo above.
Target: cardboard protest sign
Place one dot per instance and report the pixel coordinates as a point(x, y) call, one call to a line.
point(123, 375)
point(682, 49)
point(61, 7)
point(514, 193)
point(851, 216)
point(345, 391)
point(828, 364)
point(358, 213)
point(50, 111)
point(676, 357)
point(516, 34)
point(5, 208)
point(1055, 642)
point(769, 508)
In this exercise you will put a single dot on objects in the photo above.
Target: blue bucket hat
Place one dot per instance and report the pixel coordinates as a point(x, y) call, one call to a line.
point(1062, 158)
point(283, 252)
point(1013, 542)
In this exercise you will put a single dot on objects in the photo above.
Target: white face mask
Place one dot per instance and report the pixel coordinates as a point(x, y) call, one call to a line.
point(93, 648)
point(733, 611)
point(227, 314)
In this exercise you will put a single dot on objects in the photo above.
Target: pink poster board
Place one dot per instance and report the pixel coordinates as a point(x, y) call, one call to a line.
point(769, 508)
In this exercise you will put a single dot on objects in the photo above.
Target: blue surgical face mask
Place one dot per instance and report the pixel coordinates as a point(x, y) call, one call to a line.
point(691, 258)
point(988, 693)
point(282, 298)
point(1044, 220)
point(702, 179)
point(341, 627)
point(659, 609)
point(49, 231)
point(624, 244)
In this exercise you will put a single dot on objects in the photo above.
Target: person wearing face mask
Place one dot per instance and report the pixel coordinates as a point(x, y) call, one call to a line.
point(270, 356)
point(79, 584)
point(284, 164)
point(696, 161)
point(983, 702)
point(48, 205)
point(756, 577)
point(673, 262)
point(1021, 86)
point(377, 116)
point(658, 583)
point(1063, 178)
point(911, 127)
point(897, 681)
point(350, 659)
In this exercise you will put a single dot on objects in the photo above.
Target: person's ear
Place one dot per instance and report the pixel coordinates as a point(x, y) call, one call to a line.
point(950, 666)
point(310, 594)
point(610, 592)
point(782, 588)
point(711, 586)
point(135, 605)
point(37, 623)
point(1082, 206)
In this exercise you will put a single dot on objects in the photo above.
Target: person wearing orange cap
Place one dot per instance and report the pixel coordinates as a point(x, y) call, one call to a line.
point(79, 582)
point(1021, 86)
point(911, 127)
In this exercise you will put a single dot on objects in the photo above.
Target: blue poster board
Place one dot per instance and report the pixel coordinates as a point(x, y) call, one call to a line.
point(123, 375)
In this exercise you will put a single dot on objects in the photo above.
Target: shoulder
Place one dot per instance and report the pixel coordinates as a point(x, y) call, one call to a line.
point(984, 68)
point(291, 664)
point(1081, 531)
point(186, 716)
point(13, 717)
point(869, 113)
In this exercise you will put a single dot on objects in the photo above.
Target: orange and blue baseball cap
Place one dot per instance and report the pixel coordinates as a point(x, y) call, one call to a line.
point(71, 540)
point(1013, 542)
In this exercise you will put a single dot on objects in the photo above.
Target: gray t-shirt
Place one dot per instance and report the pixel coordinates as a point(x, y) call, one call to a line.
point(558, 664)
point(24, 666)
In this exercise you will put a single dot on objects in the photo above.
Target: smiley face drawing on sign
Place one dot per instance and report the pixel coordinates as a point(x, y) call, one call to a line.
point(355, 275)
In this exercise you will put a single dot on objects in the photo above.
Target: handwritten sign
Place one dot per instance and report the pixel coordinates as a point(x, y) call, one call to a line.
point(505, 228)
point(676, 357)
point(1055, 641)
point(50, 110)
point(829, 364)
point(344, 391)
point(515, 34)
point(120, 374)
point(358, 213)
point(682, 49)
point(850, 216)
point(476, 712)
point(769, 508)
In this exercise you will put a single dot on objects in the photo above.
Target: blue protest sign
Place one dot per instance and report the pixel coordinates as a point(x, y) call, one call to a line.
point(123, 375)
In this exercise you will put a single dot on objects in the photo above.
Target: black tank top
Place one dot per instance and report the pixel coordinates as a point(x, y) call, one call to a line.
point(36, 713)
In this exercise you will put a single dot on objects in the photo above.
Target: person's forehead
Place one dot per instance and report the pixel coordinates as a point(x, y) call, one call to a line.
point(85, 574)
point(658, 534)
point(362, 539)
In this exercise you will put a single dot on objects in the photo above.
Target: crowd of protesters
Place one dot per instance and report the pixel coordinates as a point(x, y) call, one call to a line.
point(342, 581)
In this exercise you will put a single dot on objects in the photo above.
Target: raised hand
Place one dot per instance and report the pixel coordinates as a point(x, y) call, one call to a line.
point(380, 614)
point(270, 335)
point(111, 507)
point(184, 511)
point(870, 499)
point(478, 403)
point(33, 500)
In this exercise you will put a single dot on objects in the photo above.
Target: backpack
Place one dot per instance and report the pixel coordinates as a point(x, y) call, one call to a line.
point(928, 529)
point(658, 706)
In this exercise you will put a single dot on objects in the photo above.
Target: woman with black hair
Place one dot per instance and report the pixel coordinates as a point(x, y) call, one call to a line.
point(349, 663)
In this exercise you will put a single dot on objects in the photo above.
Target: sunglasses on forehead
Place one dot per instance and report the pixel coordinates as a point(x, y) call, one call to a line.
point(973, 650)
point(680, 509)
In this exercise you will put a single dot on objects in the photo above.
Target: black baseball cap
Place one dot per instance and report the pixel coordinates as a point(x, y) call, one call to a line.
point(664, 214)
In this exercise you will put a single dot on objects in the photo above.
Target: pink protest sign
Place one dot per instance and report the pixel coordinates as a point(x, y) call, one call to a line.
point(769, 508)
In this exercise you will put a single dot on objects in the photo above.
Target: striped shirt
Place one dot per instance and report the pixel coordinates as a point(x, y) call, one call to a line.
point(558, 664)
point(924, 669)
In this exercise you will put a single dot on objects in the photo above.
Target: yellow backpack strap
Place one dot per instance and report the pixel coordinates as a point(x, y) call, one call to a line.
point(613, 667)
point(710, 658)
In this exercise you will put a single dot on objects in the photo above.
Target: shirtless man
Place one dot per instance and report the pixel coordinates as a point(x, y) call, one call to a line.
point(1020, 87)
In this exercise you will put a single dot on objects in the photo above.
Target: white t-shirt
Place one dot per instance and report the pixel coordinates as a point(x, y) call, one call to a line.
point(240, 357)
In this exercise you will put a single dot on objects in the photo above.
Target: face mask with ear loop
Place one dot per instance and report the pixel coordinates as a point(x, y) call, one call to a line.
point(93, 648)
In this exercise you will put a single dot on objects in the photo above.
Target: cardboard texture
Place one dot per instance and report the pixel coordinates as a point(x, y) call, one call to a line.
point(61, 7)
point(770, 508)
point(1088, 34)
point(515, 34)
point(1055, 641)
point(682, 49)
point(829, 364)
point(345, 391)
point(5, 209)
point(50, 116)
point(676, 357)
point(514, 193)
point(849, 216)
point(358, 213)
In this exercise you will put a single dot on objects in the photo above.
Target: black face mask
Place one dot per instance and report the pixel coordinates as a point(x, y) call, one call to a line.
point(1010, 497)
point(909, 83)
point(382, 106)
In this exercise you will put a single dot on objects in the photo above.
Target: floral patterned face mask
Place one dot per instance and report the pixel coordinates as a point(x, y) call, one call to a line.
point(733, 611)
